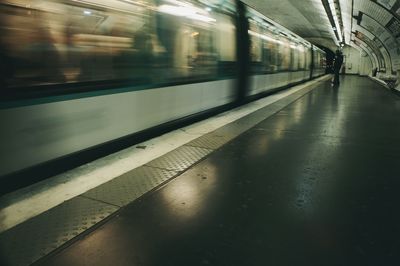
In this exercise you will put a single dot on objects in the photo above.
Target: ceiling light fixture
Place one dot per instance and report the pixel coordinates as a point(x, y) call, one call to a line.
point(333, 16)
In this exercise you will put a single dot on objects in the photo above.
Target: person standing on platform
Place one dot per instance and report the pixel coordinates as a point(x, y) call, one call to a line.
point(337, 65)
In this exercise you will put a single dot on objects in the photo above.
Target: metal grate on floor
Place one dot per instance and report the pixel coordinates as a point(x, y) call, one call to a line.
point(180, 159)
point(211, 141)
point(130, 186)
point(35, 238)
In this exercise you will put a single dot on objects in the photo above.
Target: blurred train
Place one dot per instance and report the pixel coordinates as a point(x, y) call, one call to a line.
point(82, 78)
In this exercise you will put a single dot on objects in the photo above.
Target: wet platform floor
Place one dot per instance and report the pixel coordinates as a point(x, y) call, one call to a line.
point(315, 184)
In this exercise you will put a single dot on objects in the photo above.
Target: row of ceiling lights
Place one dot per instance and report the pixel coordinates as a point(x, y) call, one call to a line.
point(332, 9)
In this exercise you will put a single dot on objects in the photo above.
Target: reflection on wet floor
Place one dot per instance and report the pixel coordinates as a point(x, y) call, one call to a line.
point(315, 184)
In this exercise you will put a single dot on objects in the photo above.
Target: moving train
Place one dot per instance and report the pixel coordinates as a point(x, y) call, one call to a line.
point(83, 78)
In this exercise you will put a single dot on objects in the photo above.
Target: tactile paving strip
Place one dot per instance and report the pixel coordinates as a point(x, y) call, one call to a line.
point(180, 159)
point(124, 189)
point(33, 239)
point(211, 141)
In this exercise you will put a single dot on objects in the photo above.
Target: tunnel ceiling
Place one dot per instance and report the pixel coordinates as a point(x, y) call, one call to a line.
point(306, 18)
point(371, 26)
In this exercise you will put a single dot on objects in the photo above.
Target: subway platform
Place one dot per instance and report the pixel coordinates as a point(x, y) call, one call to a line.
point(312, 179)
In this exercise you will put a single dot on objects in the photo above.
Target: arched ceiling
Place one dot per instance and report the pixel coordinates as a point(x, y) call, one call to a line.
point(306, 18)
point(373, 26)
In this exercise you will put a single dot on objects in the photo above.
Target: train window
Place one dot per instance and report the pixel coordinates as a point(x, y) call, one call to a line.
point(294, 56)
point(226, 39)
point(284, 55)
point(145, 42)
point(256, 46)
point(265, 44)
point(320, 63)
point(316, 59)
point(301, 51)
point(319, 59)
point(307, 58)
point(270, 54)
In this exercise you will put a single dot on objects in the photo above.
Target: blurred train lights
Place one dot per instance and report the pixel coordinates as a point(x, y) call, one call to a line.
point(299, 47)
point(264, 37)
point(87, 12)
point(186, 11)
